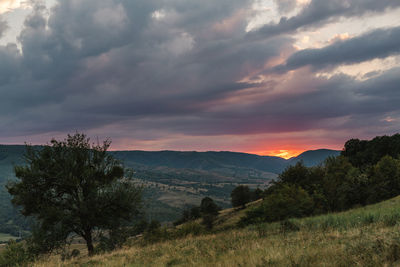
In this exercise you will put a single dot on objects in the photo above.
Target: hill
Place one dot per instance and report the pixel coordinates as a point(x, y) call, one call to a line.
point(367, 236)
point(173, 180)
point(313, 157)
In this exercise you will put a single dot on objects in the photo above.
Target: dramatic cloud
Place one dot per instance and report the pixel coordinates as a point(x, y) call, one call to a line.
point(285, 6)
point(319, 12)
point(376, 44)
point(156, 74)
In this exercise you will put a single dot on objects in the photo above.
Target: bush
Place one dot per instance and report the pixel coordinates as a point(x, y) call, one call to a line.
point(115, 239)
point(15, 254)
point(190, 228)
point(288, 226)
point(286, 201)
point(66, 255)
point(208, 221)
point(189, 215)
point(155, 233)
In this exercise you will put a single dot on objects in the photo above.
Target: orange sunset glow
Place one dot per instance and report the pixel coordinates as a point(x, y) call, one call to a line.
point(282, 153)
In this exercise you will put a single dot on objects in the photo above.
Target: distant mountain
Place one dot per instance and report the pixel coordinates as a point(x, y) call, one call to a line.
point(314, 157)
point(206, 161)
point(236, 165)
point(172, 179)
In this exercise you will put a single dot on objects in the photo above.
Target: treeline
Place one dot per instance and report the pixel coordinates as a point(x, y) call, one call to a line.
point(366, 172)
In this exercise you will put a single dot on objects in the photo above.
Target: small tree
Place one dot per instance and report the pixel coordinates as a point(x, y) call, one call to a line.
point(73, 186)
point(256, 194)
point(241, 195)
point(209, 211)
point(208, 206)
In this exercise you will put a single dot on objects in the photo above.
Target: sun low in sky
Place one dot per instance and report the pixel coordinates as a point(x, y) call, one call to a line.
point(261, 76)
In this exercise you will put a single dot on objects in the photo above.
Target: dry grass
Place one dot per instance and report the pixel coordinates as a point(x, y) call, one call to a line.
point(362, 237)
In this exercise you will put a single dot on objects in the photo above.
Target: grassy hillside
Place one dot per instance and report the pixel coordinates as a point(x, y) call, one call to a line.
point(367, 236)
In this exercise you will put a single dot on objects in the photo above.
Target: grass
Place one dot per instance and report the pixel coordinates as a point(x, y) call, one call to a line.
point(368, 236)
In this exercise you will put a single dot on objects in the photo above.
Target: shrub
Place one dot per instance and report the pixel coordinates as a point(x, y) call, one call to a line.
point(66, 255)
point(190, 228)
point(288, 226)
point(15, 254)
point(286, 201)
point(208, 221)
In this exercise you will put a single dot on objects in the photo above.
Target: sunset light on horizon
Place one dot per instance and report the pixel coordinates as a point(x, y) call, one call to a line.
point(269, 77)
point(286, 154)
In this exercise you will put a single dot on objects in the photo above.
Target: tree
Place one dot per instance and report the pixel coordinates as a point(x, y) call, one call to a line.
point(208, 206)
point(209, 211)
point(385, 179)
point(256, 194)
point(74, 186)
point(240, 196)
point(287, 201)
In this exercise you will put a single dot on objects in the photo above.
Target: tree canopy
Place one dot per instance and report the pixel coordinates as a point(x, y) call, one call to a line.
point(240, 196)
point(366, 172)
point(74, 186)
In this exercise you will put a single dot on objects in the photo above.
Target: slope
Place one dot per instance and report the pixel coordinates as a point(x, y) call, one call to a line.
point(359, 237)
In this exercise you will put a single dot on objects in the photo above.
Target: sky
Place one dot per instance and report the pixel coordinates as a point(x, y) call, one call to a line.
point(271, 77)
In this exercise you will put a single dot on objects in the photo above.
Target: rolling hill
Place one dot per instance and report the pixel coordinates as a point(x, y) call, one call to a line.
point(173, 179)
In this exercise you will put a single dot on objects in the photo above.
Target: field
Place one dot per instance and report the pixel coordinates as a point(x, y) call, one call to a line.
point(6, 237)
point(368, 236)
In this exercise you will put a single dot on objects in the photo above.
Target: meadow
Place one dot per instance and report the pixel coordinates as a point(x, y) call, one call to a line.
point(365, 236)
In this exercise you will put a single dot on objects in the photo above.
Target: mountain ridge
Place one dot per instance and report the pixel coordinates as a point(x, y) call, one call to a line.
point(173, 179)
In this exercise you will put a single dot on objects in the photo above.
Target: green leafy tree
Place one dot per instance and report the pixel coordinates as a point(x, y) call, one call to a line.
point(286, 201)
point(208, 206)
point(338, 170)
point(74, 186)
point(385, 179)
point(209, 211)
point(240, 196)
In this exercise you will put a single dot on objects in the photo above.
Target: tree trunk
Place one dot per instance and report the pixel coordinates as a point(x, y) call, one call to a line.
point(89, 242)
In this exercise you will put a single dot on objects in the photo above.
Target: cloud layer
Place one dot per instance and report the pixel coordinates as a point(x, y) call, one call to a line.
point(157, 74)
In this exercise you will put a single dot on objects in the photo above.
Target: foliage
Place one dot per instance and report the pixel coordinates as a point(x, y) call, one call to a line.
point(240, 196)
point(363, 153)
point(189, 214)
point(73, 186)
point(365, 172)
point(208, 206)
point(190, 228)
point(287, 201)
point(15, 254)
point(208, 220)
point(114, 239)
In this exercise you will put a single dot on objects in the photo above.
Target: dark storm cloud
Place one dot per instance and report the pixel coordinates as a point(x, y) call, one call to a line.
point(380, 43)
point(340, 102)
point(97, 62)
point(185, 67)
point(319, 12)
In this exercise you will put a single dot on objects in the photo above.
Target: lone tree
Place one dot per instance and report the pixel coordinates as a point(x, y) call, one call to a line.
point(74, 186)
point(209, 211)
point(208, 206)
point(240, 196)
